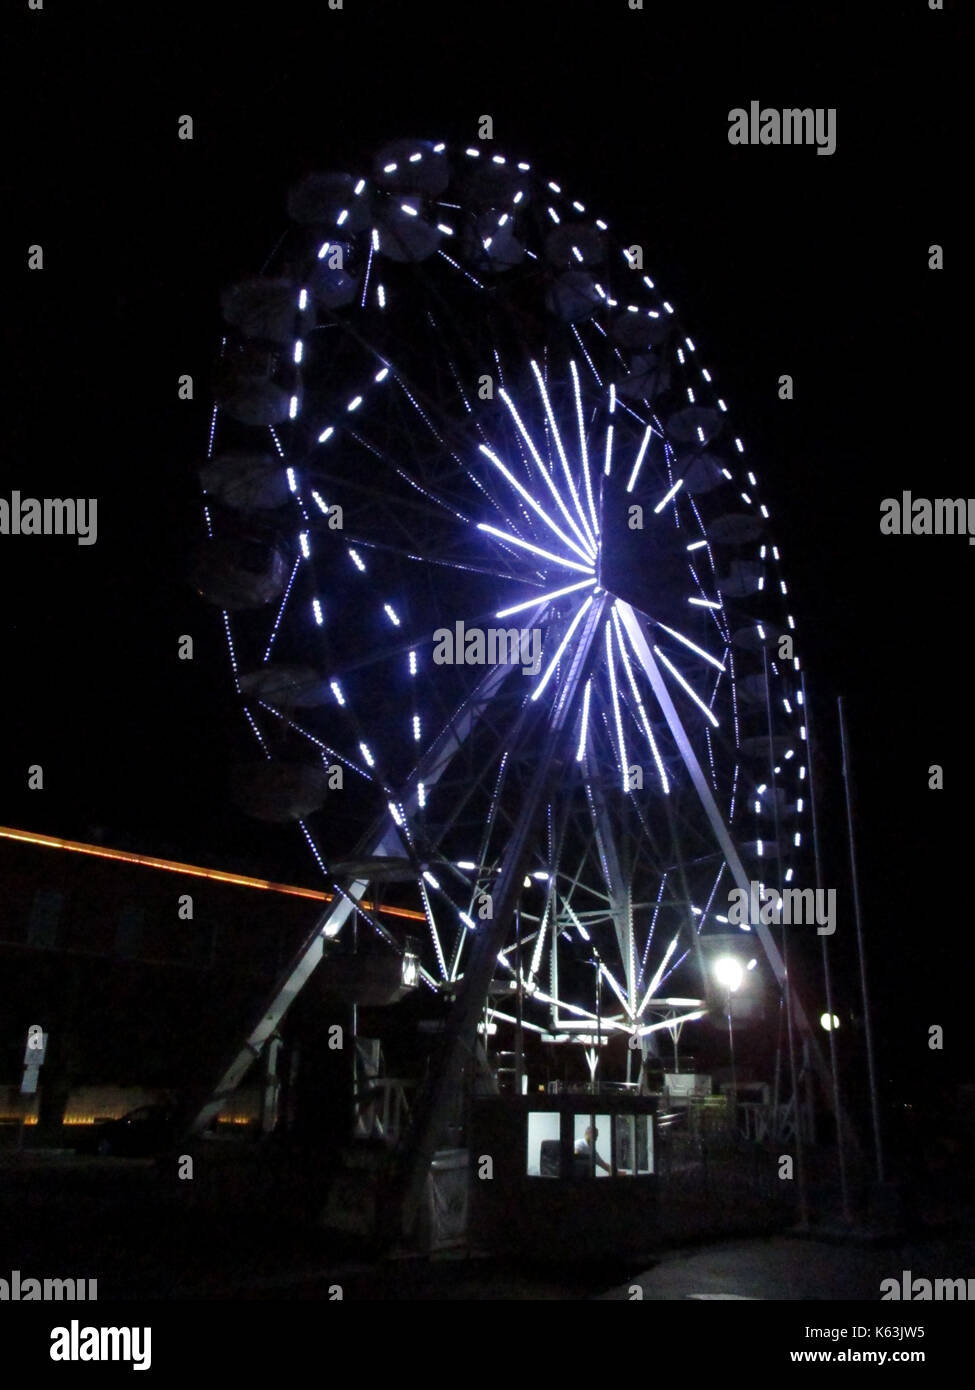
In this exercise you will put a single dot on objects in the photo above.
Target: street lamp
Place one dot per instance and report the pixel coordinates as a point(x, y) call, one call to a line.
point(728, 972)
point(829, 1022)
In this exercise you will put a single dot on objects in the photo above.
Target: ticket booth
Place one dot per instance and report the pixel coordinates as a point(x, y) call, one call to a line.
point(564, 1174)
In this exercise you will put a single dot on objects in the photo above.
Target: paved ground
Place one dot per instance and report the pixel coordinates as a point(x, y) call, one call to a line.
point(787, 1268)
point(62, 1216)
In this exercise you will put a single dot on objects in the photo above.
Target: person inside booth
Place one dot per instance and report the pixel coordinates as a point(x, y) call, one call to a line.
point(585, 1148)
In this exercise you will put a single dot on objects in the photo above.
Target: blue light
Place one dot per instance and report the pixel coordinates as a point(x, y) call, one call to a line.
point(693, 694)
point(667, 497)
point(693, 647)
point(616, 703)
point(545, 598)
point(584, 725)
point(535, 549)
point(561, 648)
point(539, 511)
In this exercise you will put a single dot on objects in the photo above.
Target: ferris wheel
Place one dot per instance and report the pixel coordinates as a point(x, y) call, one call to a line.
point(501, 600)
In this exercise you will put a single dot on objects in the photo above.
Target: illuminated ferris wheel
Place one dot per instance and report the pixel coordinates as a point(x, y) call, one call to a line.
point(502, 606)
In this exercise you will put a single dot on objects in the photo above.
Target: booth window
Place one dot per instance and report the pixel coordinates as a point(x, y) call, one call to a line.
point(544, 1157)
point(633, 1136)
point(591, 1146)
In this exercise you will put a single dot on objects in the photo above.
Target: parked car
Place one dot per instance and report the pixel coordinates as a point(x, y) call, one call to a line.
point(138, 1134)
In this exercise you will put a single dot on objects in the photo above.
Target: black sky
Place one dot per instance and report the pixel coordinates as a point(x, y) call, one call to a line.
point(780, 260)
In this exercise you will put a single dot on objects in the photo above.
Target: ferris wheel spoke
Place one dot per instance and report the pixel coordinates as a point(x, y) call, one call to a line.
point(588, 555)
point(426, 558)
point(651, 929)
point(644, 722)
point(536, 550)
point(556, 434)
point(672, 969)
point(614, 694)
point(584, 539)
point(583, 449)
point(692, 646)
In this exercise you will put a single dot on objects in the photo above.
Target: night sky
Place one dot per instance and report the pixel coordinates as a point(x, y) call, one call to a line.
point(780, 260)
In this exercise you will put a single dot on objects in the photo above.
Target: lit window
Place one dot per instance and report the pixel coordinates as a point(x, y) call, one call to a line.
point(544, 1156)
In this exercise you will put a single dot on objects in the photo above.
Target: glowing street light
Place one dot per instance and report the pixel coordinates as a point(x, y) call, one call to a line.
point(728, 973)
point(829, 1022)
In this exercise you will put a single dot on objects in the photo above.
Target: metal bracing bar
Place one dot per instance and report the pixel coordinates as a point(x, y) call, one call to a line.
point(642, 648)
point(619, 889)
point(383, 839)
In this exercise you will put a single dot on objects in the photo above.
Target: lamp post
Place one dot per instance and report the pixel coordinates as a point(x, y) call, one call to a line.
point(871, 1069)
point(729, 974)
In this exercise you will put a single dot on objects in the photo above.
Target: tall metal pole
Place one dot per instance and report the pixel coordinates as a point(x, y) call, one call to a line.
point(733, 1108)
point(519, 1031)
point(834, 1067)
point(789, 1024)
point(871, 1070)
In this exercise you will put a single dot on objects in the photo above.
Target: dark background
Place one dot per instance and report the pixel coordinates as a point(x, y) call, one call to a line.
point(779, 260)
